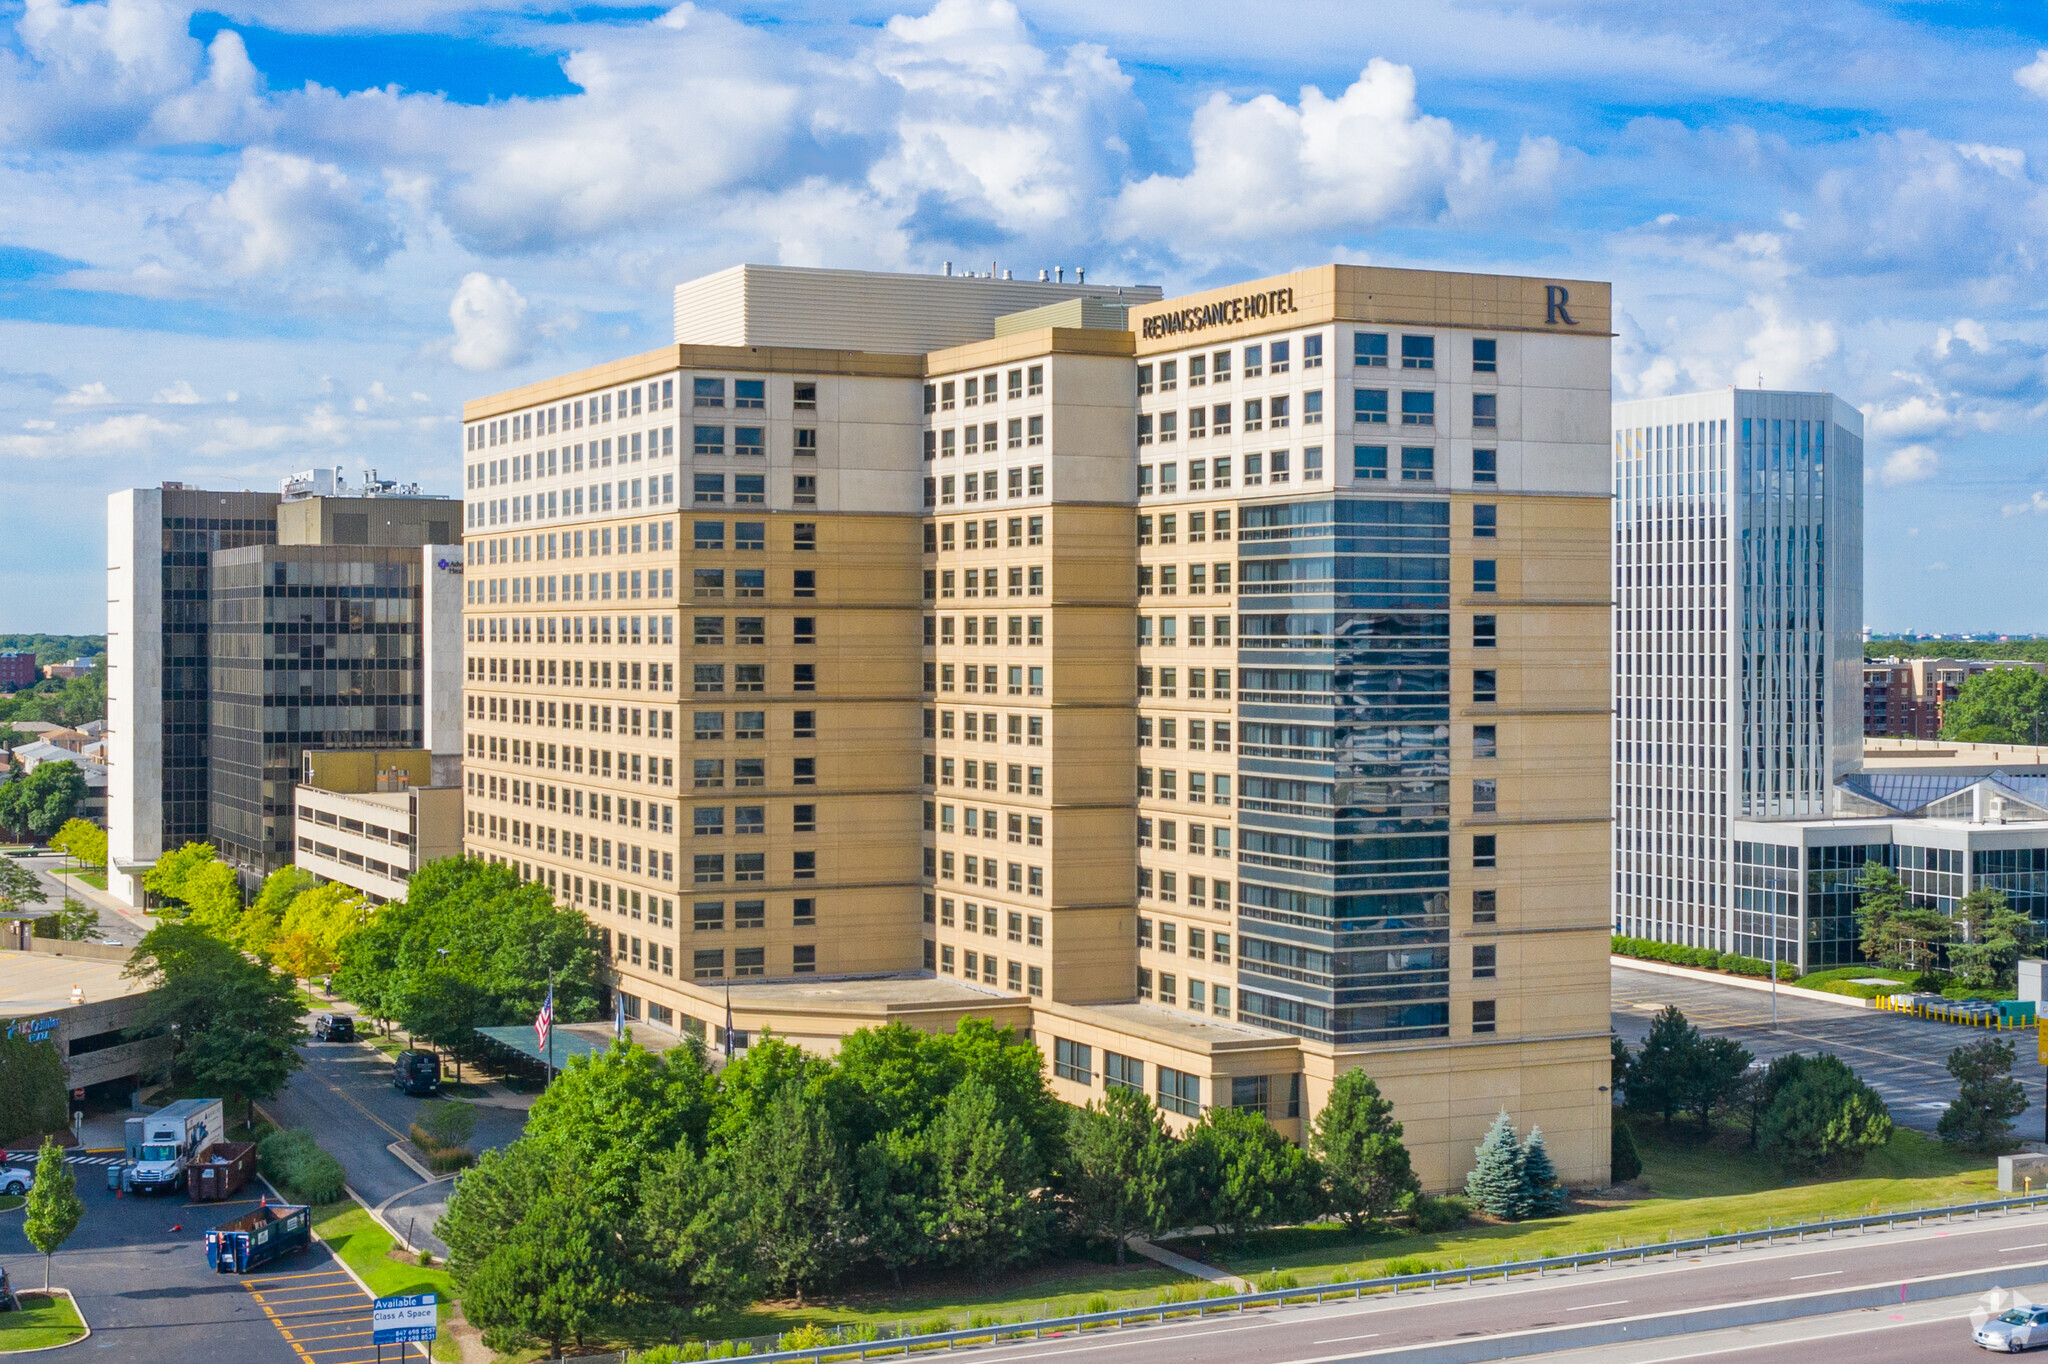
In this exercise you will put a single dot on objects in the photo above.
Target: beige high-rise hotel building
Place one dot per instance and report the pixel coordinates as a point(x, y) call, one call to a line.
point(1216, 687)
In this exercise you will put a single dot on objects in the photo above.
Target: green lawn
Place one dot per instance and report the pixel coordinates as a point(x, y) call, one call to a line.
point(1836, 981)
point(1686, 1190)
point(96, 879)
point(372, 1252)
point(43, 1321)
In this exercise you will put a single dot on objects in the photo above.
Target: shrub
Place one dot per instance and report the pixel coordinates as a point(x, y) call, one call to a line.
point(1273, 1281)
point(1098, 1303)
point(940, 1325)
point(446, 1123)
point(1178, 1292)
point(1408, 1264)
point(1433, 1215)
point(808, 1336)
point(1702, 958)
point(294, 1162)
point(1820, 1112)
point(1219, 1290)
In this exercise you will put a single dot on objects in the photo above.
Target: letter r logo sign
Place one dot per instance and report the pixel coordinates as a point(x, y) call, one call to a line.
point(1555, 296)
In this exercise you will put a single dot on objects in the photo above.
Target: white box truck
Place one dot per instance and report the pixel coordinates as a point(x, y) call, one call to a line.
point(163, 1144)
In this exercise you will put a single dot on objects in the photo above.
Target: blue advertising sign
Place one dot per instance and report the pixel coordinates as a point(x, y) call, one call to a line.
point(404, 1319)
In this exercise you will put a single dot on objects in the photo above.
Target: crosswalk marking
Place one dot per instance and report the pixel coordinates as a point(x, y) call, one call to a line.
point(30, 1158)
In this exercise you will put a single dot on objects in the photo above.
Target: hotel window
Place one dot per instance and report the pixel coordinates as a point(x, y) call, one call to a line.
point(1418, 352)
point(709, 440)
point(1485, 961)
point(1418, 409)
point(1484, 352)
point(1278, 359)
point(749, 393)
point(1179, 1092)
point(1145, 438)
point(1219, 366)
point(1254, 361)
point(1485, 851)
point(1485, 466)
point(1254, 414)
point(1125, 1072)
point(1169, 427)
point(750, 489)
point(1369, 349)
point(1144, 379)
point(1485, 407)
point(1035, 380)
point(1485, 575)
point(708, 965)
point(1036, 431)
point(1311, 352)
point(1369, 406)
point(1197, 370)
point(1485, 741)
point(1369, 462)
point(750, 961)
point(1198, 423)
point(1312, 463)
point(1279, 411)
point(748, 440)
point(1485, 521)
point(1418, 464)
point(708, 392)
point(1014, 383)
point(1484, 1016)
point(806, 400)
point(1485, 906)
point(1485, 796)
point(1485, 686)
point(1015, 437)
point(1168, 372)
point(1312, 407)
point(1219, 421)
point(1073, 1061)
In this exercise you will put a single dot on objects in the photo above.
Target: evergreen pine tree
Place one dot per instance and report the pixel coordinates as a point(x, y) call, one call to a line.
point(1495, 1184)
point(1543, 1194)
point(1625, 1162)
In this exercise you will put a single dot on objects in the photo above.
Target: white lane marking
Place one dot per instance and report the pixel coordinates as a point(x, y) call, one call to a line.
point(1590, 1306)
point(1828, 1275)
point(1339, 1340)
point(2038, 1245)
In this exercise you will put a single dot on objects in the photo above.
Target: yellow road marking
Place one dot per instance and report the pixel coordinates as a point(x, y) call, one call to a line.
point(345, 1335)
point(328, 1298)
point(314, 1274)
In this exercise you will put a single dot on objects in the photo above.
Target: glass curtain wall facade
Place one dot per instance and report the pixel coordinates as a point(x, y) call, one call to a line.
point(1344, 768)
point(315, 647)
point(1737, 646)
point(196, 527)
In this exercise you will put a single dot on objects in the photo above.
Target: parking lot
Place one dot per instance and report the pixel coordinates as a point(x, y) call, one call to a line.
point(1897, 1055)
point(137, 1267)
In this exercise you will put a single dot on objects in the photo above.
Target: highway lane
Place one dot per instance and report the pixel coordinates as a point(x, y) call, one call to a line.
point(1899, 1056)
point(1346, 1329)
point(1933, 1332)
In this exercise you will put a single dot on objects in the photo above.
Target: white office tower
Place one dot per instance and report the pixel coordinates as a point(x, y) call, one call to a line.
point(1738, 612)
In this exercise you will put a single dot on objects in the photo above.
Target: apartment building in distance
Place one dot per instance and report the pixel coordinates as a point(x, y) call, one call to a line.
point(1907, 698)
point(1216, 686)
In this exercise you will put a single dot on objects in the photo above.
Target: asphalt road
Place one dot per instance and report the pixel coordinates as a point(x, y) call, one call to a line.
point(114, 924)
point(1923, 1333)
point(1346, 1330)
point(1899, 1056)
point(146, 1292)
point(344, 1095)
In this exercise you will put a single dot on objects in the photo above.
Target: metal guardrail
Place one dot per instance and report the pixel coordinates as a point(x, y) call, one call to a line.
point(994, 1334)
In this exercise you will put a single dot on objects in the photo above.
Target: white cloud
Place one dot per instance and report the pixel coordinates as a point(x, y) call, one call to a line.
point(2037, 504)
point(1937, 567)
point(179, 393)
point(2033, 77)
point(1785, 352)
point(132, 433)
point(1346, 165)
point(285, 212)
point(94, 394)
point(1909, 464)
point(489, 318)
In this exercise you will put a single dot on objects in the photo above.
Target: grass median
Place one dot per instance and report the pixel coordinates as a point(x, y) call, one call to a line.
point(45, 1320)
point(361, 1243)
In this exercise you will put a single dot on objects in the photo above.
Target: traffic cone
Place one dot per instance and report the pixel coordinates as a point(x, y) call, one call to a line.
point(179, 1227)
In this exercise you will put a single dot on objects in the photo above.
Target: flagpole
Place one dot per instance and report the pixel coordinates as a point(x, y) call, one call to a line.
point(551, 1028)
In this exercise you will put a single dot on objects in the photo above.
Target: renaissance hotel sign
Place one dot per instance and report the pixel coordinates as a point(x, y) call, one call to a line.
point(1222, 313)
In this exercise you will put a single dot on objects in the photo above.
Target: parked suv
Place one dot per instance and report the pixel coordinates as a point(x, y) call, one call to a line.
point(334, 1028)
point(416, 1072)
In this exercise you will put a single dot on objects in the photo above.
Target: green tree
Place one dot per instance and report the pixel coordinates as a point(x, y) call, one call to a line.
point(2004, 705)
point(310, 932)
point(491, 1198)
point(1366, 1171)
point(988, 1212)
point(1624, 1162)
point(1987, 1099)
point(71, 921)
point(1712, 1077)
point(83, 841)
point(686, 1259)
point(53, 1205)
point(1120, 1156)
point(610, 1115)
point(40, 803)
point(444, 1008)
point(1542, 1194)
point(1821, 1113)
point(553, 1278)
point(1657, 1075)
point(1496, 1185)
point(33, 1096)
point(1993, 938)
point(19, 887)
point(236, 1021)
point(1245, 1176)
point(1895, 932)
point(791, 1176)
point(1618, 1083)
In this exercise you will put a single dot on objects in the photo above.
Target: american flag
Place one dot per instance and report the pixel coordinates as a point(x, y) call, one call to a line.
point(544, 1022)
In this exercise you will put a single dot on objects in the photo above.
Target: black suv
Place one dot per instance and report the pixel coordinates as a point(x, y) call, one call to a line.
point(416, 1072)
point(334, 1028)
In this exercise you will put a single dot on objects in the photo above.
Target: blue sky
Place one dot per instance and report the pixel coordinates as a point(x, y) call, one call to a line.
point(258, 237)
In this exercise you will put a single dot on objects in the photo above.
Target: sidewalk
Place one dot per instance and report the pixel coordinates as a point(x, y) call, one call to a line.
point(1193, 1268)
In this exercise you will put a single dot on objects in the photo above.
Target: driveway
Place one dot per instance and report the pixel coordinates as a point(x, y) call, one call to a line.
point(344, 1095)
point(1897, 1055)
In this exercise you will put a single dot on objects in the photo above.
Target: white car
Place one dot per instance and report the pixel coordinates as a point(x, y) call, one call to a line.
point(16, 1179)
point(2022, 1328)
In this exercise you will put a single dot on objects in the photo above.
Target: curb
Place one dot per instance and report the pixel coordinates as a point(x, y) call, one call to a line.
point(335, 1255)
point(1695, 1320)
point(42, 1349)
point(1660, 968)
point(397, 1148)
